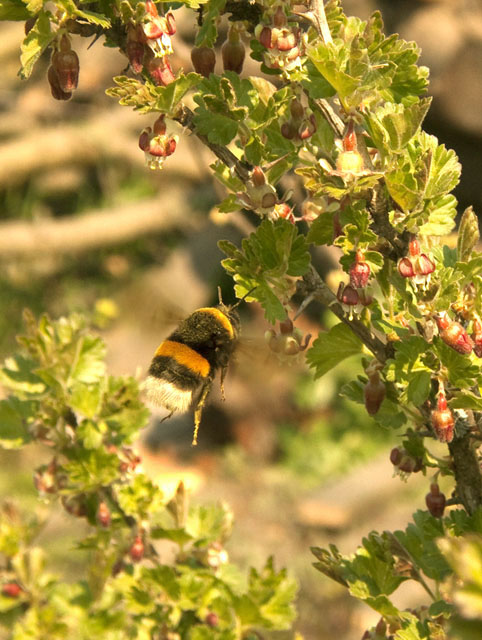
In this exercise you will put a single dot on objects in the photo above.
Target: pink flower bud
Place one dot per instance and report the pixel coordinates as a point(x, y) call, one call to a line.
point(136, 551)
point(374, 393)
point(203, 60)
point(347, 295)
point(453, 334)
point(435, 501)
point(359, 272)
point(257, 177)
point(443, 420)
point(405, 268)
point(66, 66)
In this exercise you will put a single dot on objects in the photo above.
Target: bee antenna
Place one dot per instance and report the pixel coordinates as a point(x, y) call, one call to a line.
point(220, 296)
point(244, 297)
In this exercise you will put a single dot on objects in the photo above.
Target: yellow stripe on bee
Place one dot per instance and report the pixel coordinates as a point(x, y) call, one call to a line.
point(184, 355)
point(222, 317)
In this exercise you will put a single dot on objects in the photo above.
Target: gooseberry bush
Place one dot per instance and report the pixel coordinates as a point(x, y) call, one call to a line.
point(334, 107)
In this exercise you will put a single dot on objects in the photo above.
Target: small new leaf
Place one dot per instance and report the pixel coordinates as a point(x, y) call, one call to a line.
point(468, 234)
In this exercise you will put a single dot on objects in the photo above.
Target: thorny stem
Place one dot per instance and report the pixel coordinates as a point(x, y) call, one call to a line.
point(312, 285)
point(317, 16)
point(241, 169)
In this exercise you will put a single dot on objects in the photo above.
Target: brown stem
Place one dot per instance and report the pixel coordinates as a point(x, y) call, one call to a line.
point(467, 473)
point(317, 16)
point(241, 169)
point(312, 285)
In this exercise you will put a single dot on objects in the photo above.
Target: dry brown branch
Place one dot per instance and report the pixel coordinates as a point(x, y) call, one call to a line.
point(97, 228)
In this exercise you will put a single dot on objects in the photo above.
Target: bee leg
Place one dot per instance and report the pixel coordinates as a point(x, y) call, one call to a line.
point(223, 375)
point(166, 417)
point(199, 409)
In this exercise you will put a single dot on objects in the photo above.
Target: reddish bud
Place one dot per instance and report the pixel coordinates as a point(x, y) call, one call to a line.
point(435, 501)
point(135, 55)
point(453, 334)
point(443, 420)
point(203, 60)
point(279, 18)
point(151, 8)
point(395, 456)
point(414, 246)
point(286, 327)
point(11, 589)
point(347, 295)
point(405, 268)
point(359, 272)
point(103, 515)
point(308, 129)
point(136, 551)
point(265, 38)
point(288, 130)
point(286, 41)
point(211, 619)
point(257, 177)
point(423, 265)
point(374, 393)
point(160, 71)
point(145, 138)
point(171, 23)
point(29, 24)
point(55, 87)
point(159, 126)
point(233, 56)
point(349, 140)
point(66, 66)
point(477, 337)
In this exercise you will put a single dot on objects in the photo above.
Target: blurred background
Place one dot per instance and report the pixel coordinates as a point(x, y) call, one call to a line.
point(84, 226)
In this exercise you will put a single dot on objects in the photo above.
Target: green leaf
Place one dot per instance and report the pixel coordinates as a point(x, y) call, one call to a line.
point(93, 18)
point(167, 99)
point(419, 387)
point(392, 126)
point(206, 35)
point(14, 415)
point(466, 400)
point(86, 398)
point(468, 234)
point(14, 10)
point(89, 469)
point(441, 212)
point(444, 170)
point(89, 365)
point(461, 372)
point(218, 129)
point(37, 40)
point(331, 347)
point(321, 230)
point(18, 375)
point(91, 433)
point(140, 497)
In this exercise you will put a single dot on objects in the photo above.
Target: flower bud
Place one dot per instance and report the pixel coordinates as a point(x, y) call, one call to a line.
point(233, 52)
point(308, 128)
point(268, 200)
point(286, 327)
point(151, 8)
point(395, 456)
point(171, 23)
point(257, 177)
point(443, 420)
point(160, 71)
point(453, 334)
point(103, 515)
point(211, 619)
point(159, 126)
point(405, 268)
point(349, 139)
point(55, 88)
point(66, 66)
point(435, 501)
point(279, 19)
point(11, 590)
point(374, 393)
point(347, 295)
point(136, 551)
point(288, 130)
point(265, 38)
point(359, 272)
point(203, 60)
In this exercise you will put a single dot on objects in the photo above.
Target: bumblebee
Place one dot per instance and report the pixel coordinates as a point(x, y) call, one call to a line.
point(184, 366)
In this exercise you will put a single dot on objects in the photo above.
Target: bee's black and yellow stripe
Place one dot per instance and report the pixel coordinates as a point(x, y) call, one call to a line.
point(192, 354)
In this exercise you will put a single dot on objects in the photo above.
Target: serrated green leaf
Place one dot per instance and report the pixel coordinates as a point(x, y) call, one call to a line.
point(461, 372)
point(441, 212)
point(392, 126)
point(140, 497)
point(206, 35)
point(93, 18)
point(466, 400)
point(468, 234)
point(89, 365)
point(419, 387)
point(321, 230)
point(35, 43)
point(167, 98)
point(331, 347)
point(444, 171)
point(86, 398)
point(18, 375)
point(218, 129)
